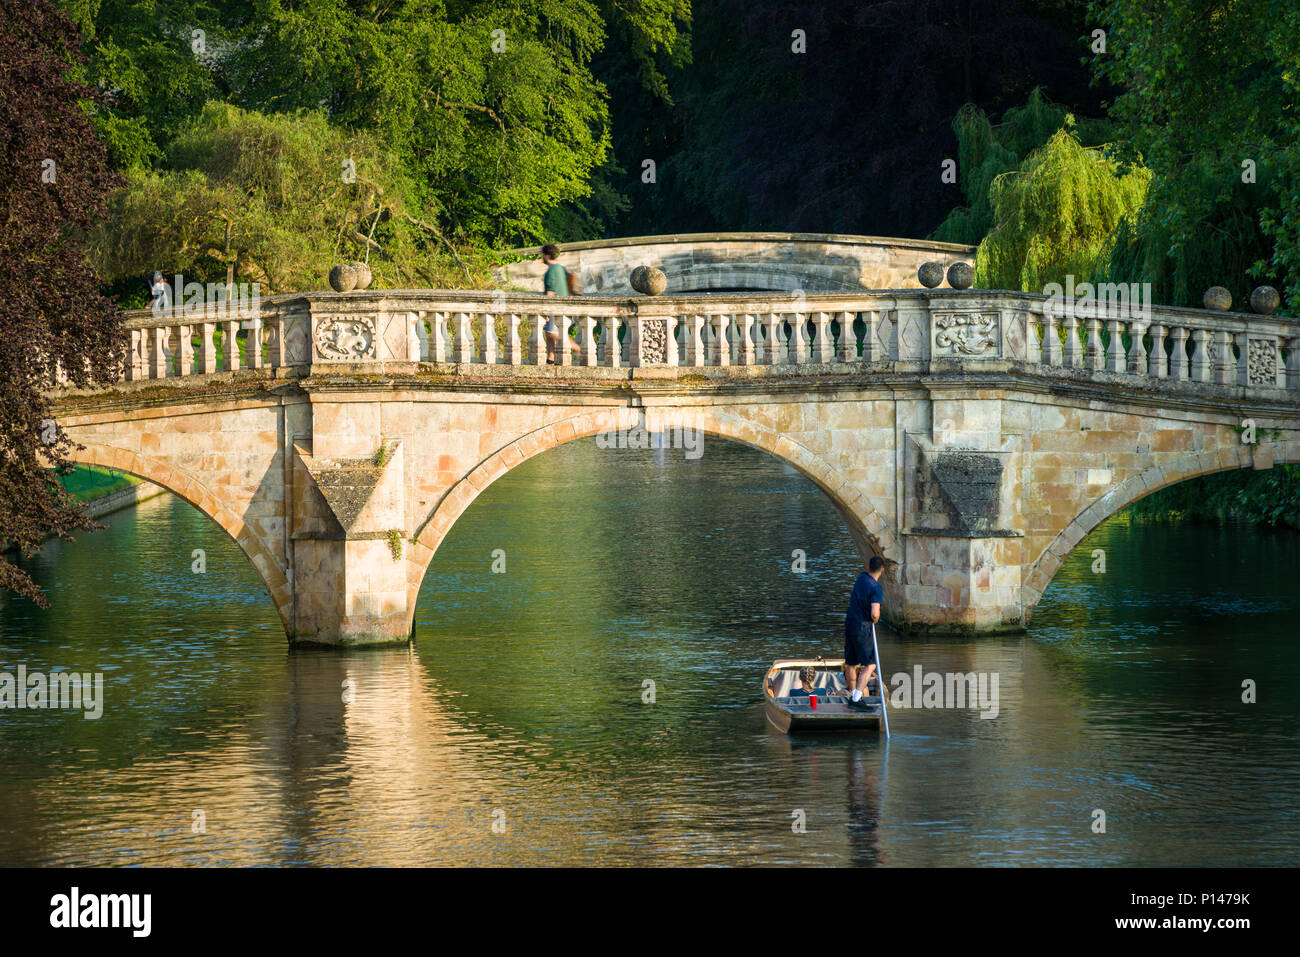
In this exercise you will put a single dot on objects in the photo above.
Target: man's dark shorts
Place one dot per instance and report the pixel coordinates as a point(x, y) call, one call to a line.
point(859, 651)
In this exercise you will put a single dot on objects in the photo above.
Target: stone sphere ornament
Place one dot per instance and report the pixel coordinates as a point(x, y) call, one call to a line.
point(931, 275)
point(364, 276)
point(343, 278)
point(1216, 297)
point(1264, 300)
point(648, 280)
point(961, 275)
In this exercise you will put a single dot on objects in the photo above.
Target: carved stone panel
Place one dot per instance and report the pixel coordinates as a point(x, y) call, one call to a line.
point(345, 338)
point(654, 341)
point(1261, 362)
point(961, 334)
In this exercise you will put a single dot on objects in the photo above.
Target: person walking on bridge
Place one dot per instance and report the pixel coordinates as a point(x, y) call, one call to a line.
point(859, 620)
point(554, 283)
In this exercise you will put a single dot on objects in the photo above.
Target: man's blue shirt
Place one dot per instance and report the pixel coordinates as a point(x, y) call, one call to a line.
point(857, 620)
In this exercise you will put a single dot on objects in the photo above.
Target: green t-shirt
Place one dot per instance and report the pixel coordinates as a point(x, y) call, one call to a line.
point(557, 280)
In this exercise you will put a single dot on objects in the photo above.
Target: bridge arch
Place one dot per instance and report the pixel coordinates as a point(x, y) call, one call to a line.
point(870, 532)
point(1135, 487)
point(266, 564)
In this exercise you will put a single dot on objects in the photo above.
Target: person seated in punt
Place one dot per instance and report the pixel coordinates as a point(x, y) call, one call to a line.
point(807, 682)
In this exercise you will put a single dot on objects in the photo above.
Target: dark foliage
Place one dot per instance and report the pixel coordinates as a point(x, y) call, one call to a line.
point(55, 177)
point(848, 136)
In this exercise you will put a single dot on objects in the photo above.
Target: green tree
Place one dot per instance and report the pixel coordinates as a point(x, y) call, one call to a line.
point(155, 70)
point(1054, 214)
point(1209, 96)
point(267, 199)
point(490, 106)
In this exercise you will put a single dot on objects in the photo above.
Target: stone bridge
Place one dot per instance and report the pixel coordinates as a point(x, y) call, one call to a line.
point(970, 438)
point(772, 262)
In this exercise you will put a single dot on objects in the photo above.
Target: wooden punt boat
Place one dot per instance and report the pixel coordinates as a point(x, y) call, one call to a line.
point(794, 714)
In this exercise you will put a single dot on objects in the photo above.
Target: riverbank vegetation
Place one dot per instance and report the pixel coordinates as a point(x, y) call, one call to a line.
point(1270, 497)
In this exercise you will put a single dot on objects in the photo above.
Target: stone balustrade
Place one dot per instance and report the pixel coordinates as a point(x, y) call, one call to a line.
point(315, 333)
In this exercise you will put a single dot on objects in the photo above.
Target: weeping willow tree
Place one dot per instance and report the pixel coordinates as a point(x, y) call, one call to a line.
point(1053, 216)
point(985, 151)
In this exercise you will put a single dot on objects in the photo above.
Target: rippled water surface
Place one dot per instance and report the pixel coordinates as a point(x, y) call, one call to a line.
point(522, 703)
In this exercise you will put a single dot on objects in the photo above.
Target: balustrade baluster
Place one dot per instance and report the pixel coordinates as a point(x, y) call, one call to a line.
point(823, 348)
point(1225, 367)
point(421, 334)
point(1051, 340)
point(798, 338)
point(1178, 353)
point(672, 347)
point(588, 357)
point(182, 350)
point(1159, 361)
point(134, 365)
point(1115, 356)
point(563, 348)
point(253, 343)
point(158, 353)
point(229, 345)
point(462, 343)
point(771, 323)
point(488, 344)
point(721, 353)
point(275, 354)
point(1137, 353)
point(439, 345)
point(1033, 347)
point(872, 350)
point(537, 340)
point(745, 343)
point(846, 349)
point(609, 342)
point(1202, 360)
point(514, 345)
point(207, 354)
point(1073, 352)
point(1094, 357)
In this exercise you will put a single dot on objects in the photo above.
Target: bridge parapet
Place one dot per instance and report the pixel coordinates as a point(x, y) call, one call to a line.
point(925, 330)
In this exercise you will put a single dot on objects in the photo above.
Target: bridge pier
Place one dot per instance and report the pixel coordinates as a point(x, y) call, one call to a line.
point(349, 567)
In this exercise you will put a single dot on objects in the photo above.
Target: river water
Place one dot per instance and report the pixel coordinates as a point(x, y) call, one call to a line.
point(597, 701)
